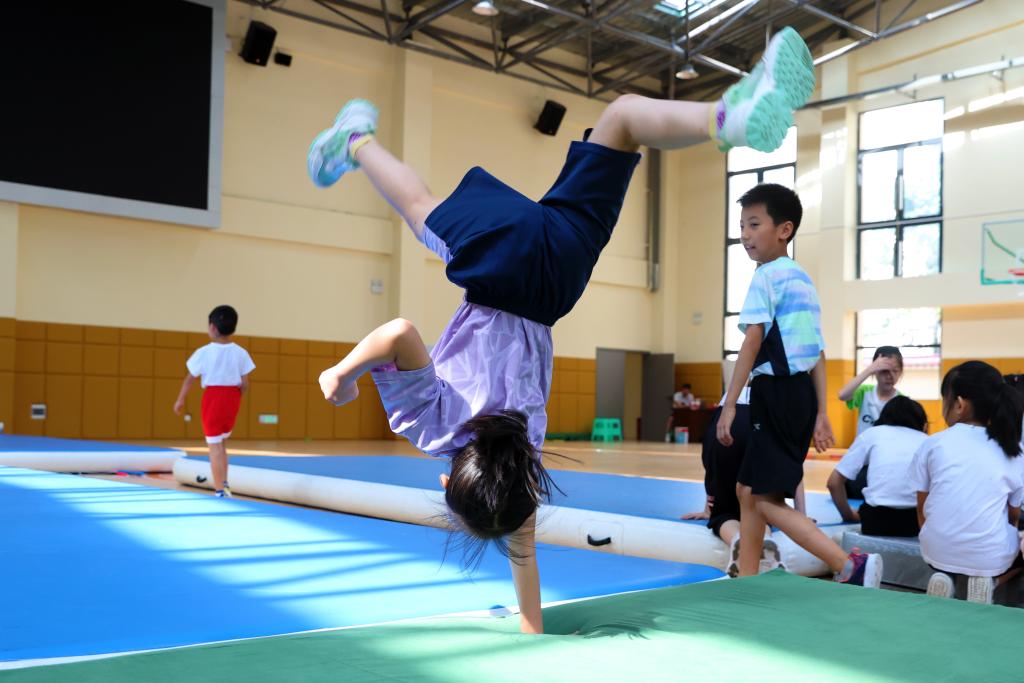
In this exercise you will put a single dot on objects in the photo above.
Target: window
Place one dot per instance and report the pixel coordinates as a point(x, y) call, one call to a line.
point(899, 182)
point(918, 334)
point(746, 168)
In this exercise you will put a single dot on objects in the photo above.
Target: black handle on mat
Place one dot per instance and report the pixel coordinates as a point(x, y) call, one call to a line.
point(598, 541)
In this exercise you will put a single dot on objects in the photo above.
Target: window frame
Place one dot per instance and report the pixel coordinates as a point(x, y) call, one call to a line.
point(899, 222)
point(730, 241)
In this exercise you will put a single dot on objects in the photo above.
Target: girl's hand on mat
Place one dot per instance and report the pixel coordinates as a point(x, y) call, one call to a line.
point(823, 437)
point(335, 391)
point(179, 406)
point(724, 429)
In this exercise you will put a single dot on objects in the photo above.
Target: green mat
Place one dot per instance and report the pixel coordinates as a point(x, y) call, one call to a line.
point(775, 627)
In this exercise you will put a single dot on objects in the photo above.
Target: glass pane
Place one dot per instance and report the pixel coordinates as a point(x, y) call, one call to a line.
point(899, 326)
point(744, 158)
point(878, 254)
point(920, 249)
point(783, 176)
point(922, 181)
point(739, 271)
point(738, 185)
point(900, 125)
point(878, 186)
point(733, 336)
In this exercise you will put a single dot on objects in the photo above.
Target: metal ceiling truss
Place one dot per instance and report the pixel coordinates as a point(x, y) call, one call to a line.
point(613, 47)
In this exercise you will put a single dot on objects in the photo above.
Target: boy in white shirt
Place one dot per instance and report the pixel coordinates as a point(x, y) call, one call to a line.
point(869, 399)
point(224, 367)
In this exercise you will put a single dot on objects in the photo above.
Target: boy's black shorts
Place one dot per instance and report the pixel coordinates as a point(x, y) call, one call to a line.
point(783, 411)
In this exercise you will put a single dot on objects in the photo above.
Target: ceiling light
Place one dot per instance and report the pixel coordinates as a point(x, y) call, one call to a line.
point(485, 8)
point(687, 73)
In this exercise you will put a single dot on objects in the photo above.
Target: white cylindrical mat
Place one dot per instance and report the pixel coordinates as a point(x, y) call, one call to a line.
point(92, 462)
point(608, 532)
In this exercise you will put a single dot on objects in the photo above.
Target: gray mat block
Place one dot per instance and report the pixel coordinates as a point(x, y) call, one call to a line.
point(901, 558)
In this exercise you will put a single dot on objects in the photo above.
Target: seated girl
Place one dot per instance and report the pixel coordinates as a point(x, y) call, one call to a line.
point(886, 449)
point(970, 484)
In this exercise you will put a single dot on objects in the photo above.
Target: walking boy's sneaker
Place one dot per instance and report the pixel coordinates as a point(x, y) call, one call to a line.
point(940, 585)
point(980, 589)
point(223, 493)
point(862, 569)
point(330, 155)
point(757, 111)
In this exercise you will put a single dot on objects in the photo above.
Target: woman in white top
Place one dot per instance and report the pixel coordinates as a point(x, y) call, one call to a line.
point(886, 450)
point(970, 483)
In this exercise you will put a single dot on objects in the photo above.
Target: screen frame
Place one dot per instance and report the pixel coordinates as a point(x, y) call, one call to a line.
point(133, 208)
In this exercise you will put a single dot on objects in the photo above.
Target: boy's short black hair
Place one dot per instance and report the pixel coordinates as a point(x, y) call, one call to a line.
point(780, 202)
point(687, 386)
point(225, 319)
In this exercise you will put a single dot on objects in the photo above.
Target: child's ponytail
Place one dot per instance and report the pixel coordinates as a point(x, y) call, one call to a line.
point(996, 404)
point(1004, 427)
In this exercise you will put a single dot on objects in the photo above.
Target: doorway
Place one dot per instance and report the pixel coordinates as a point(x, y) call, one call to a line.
point(636, 387)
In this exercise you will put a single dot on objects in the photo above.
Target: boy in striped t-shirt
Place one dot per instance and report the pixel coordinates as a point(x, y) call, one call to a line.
point(783, 353)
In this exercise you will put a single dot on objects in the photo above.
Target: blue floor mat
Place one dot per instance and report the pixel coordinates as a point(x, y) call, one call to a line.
point(93, 566)
point(636, 496)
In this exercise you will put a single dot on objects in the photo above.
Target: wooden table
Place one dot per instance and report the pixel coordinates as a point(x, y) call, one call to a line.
point(694, 420)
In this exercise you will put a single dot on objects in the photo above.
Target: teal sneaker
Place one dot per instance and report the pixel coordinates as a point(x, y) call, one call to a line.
point(757, 111)
point(329, 157)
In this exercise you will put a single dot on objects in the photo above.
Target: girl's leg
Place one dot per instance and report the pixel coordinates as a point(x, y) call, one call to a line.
point(801, 529)
point(755, 112)
point(729, 530)
point(633, 120)
point(752, 529)
point(399, 184)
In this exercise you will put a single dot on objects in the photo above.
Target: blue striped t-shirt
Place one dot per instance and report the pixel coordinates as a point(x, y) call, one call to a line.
point(783, 299)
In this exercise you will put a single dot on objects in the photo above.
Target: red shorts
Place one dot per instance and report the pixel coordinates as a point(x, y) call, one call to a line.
point(220, 408)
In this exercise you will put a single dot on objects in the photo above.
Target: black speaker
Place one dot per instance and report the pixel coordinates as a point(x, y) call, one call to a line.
point(259, 41)
point(550, 118)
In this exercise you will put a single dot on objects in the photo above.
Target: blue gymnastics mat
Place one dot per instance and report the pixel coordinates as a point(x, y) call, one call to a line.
point(93, 566)
point(10, 443)
point(635, 496)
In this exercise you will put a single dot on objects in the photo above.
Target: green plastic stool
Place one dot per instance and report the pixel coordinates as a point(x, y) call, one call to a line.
point(606, 429)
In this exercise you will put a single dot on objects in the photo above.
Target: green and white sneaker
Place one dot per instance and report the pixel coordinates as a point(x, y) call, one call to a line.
point(329, 155)
point(757, 111)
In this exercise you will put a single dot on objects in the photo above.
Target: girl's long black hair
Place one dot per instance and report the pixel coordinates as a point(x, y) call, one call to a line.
point(997, 404)
point(496, 483)
point(901, 411)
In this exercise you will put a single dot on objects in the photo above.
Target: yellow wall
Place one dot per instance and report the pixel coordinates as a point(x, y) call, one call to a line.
point(298, 261)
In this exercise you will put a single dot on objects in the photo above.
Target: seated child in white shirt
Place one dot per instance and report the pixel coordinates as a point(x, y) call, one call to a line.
point(886, 449)
point(970, 484)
